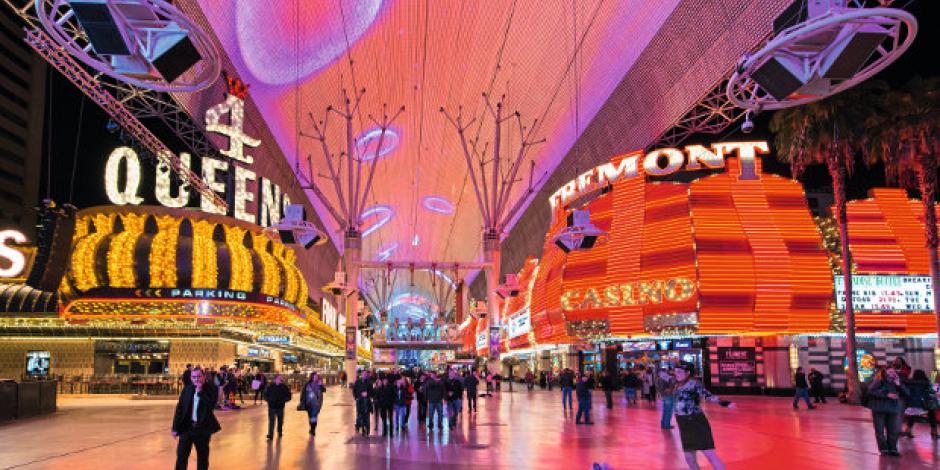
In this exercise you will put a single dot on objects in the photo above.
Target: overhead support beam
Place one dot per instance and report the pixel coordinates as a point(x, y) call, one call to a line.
point(84, 81)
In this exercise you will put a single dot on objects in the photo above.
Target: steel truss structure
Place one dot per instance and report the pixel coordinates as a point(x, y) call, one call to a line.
point(125, 103)
point(710, 115)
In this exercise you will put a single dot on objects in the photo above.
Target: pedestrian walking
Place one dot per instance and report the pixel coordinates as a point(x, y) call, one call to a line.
point(607, 385)
point(411, 393)
point(311, 400)
point(630, 383)
point(816, 386)
point(277, 395)
point(434, 391)
point(362, 391)
point(695, 432)
point(802, 389)
point(921, 403)
point(646, 382)
point(385, 403)
point(584, 400)
point(649, 384)
point(470, 383)
point(884, 398)
point(422, 398)
point(402, 400)
point(665, 383)
point(566, 381)
point(454, 388)
point(194, 422)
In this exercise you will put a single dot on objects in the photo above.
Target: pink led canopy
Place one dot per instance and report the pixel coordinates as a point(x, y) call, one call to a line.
point(424, 55)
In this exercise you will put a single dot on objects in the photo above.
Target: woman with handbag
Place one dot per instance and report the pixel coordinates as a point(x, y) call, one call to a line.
point(922, 402)
point(694, 429)
point(311, 400)
point(885, 394)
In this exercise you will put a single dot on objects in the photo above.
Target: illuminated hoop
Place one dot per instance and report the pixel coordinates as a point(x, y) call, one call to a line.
point(60, 23)
point(389, 144)
point(385, 217)
point(744, 92)
point(438, 204)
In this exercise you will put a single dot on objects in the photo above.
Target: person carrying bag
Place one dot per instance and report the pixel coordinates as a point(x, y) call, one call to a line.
point(311, 400)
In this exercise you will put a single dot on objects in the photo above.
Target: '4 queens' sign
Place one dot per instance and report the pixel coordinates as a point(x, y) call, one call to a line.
point(251, 199)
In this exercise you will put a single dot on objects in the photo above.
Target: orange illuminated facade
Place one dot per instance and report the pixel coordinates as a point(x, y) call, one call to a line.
point(723, 254)
point(886, 236)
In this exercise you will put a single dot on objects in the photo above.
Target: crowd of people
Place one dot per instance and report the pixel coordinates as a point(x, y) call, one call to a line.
point(386, 398)
point(681, 396)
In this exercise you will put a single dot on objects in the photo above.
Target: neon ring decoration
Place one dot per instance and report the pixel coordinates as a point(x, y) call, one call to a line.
point(382, 214)
point(438, 204)
point(371, 138)
point(828, 53)
point(152, 44)
point(387, 251)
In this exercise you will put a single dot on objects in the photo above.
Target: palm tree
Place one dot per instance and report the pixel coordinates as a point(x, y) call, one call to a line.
point(830, 132)
point(906, 136)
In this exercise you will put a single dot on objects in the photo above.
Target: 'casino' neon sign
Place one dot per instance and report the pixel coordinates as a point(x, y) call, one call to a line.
point(639, 293)
point(631, 165)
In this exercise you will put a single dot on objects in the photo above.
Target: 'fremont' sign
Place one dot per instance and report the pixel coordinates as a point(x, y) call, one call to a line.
point(696, 157)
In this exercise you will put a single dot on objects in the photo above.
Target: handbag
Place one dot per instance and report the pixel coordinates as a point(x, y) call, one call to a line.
point(931, 403)
point(255, 384)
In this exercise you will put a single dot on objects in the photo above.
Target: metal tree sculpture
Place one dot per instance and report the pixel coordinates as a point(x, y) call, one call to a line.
point(493, 181)
point(351, 197)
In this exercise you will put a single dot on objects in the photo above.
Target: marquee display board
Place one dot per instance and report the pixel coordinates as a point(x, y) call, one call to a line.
point(887, 238)
point(887, 294)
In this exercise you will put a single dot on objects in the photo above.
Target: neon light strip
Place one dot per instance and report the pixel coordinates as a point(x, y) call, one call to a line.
point(386, 251)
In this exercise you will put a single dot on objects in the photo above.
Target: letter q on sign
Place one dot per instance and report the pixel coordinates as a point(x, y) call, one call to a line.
point(12, 262)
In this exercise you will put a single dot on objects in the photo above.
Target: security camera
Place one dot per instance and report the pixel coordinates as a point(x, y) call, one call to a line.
point(294, 228)
point(510, 288)
point(748, 125)
point(338, 285)
point(579, 233)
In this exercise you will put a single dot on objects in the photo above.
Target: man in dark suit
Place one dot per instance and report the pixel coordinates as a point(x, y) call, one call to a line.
point(194, 422)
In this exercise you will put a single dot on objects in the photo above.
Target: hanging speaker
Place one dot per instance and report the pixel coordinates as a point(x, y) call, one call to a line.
point(101, 26)
point(53, 245)
point(174, 55)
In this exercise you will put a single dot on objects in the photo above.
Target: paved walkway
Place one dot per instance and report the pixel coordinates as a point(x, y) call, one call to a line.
point(515, 430)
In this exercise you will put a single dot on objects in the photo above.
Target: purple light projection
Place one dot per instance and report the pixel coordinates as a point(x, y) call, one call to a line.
point(368, 140)
point(386, 251)
point(266, 35)
point(382, 215)
point(438, 204)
